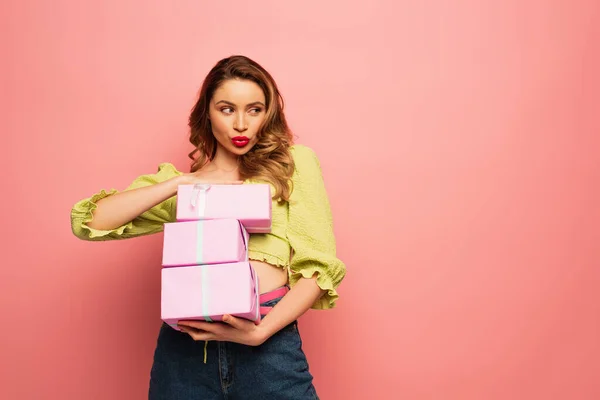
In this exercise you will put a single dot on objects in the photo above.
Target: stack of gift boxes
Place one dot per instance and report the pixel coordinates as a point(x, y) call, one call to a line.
point(206, 272)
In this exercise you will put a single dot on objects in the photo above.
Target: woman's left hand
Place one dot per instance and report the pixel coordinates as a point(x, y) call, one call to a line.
point(232, 329)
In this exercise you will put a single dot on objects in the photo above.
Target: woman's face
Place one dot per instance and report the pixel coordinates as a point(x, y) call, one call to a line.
point(236, 111)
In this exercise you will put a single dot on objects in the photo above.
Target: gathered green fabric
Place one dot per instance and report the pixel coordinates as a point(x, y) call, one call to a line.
point(301, 238)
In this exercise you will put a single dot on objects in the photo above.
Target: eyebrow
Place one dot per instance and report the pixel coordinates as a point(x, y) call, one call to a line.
point(256, 103)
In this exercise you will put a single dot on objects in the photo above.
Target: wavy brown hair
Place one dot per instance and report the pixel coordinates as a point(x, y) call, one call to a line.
point(270, 159)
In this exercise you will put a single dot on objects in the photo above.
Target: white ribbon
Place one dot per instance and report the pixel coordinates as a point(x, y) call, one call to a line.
point(205, 294)
point(198, 199)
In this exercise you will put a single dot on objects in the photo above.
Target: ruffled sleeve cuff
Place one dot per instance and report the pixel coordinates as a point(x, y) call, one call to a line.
point(82, 214)
point(149, 222)
point(328, 279)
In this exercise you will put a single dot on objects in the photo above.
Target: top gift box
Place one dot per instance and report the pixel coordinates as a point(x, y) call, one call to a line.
point(250, 204)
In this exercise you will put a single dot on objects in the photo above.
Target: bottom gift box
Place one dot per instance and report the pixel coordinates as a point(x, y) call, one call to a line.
point(208, 292)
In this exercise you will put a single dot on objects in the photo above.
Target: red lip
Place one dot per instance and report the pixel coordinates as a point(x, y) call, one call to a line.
point(240, 141)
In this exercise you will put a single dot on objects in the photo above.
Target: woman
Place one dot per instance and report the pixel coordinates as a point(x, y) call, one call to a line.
point(240, 136)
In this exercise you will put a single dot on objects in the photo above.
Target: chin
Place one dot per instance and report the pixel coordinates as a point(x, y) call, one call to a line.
point(237, 150)
point(242, 151)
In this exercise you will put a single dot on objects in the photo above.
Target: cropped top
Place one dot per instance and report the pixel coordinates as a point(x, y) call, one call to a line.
point(301, 238)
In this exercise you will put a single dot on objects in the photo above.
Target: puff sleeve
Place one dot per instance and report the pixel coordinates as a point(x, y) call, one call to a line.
point(149, 222)
point(310, 229)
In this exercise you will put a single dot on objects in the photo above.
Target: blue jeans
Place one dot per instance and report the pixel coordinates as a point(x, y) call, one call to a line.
point(276, 370)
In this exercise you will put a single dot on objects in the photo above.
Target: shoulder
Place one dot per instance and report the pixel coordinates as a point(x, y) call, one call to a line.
point(165, 171)
point(303, 155)
point(168, 169)
point(306, 163)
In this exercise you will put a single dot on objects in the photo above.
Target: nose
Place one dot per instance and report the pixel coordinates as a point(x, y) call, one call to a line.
point(240, 123)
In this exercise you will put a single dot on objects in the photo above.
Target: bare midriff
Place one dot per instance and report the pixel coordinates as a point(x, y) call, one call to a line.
point(270, 277)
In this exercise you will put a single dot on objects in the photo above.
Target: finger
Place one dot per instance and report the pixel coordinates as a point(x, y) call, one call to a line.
point(201, 325)
point(236, 323)
point(184, 329)
point(194, 332)
point(200, 335)
point(188, 329)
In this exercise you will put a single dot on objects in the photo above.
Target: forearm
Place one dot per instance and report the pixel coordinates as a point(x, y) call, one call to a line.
point(123, 207)
point(295, 303)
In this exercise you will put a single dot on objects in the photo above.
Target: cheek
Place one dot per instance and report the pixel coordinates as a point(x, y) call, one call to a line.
point(257, 123)
point(219, 125)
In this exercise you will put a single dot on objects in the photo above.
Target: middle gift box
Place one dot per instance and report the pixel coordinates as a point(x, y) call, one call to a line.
point(215, 241)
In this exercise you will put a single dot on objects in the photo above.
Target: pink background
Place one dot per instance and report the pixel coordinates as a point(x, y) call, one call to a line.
point(460, 146)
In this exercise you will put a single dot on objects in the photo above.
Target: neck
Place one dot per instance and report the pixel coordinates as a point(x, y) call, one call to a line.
point(225, 160)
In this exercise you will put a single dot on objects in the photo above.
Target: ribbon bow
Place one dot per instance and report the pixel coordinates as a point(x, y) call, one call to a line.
point(198, 198)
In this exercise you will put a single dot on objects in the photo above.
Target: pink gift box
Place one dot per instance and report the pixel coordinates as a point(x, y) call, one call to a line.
point(214, 241)
point(207, 292)
point(250, 204)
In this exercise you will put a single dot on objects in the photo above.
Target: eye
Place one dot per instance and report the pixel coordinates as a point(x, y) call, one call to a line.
point(226, 110)
point(256, 110)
